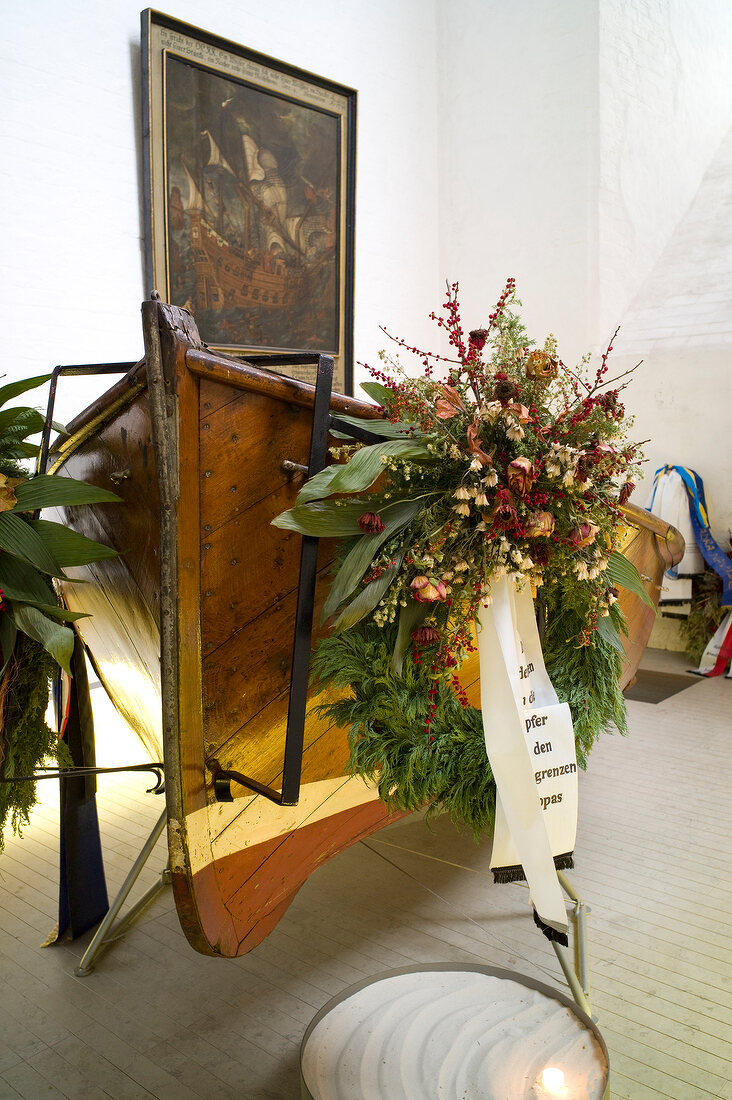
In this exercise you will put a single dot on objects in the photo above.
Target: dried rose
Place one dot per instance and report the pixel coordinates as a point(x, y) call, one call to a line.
point(474, 446)
point(542, 366)
point(520, 476)
point(425, 635)
point(539, 525)
point(520, 412)
point(506, 391)
point(477, 337)
point(504, 515)
point(610, 404)
point(584, 535)
point(428, 589)
point(449, 403)
point(370, 523)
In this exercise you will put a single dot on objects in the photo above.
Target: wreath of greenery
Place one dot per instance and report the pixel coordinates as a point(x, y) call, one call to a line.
point(514, 465)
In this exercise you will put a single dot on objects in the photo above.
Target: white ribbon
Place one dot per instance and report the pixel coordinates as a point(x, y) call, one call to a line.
point(505, 689)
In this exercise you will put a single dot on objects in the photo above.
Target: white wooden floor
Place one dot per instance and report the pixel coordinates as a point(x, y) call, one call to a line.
point(156, 1019)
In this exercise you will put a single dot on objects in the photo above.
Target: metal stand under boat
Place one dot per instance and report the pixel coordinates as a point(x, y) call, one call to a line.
point(108, 932)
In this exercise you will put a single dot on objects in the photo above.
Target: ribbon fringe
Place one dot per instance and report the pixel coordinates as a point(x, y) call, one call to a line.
point(551, 933)
point(505, 875)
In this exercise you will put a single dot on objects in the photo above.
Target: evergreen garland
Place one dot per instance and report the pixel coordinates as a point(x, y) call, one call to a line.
point(25, 739)
point(442, 765)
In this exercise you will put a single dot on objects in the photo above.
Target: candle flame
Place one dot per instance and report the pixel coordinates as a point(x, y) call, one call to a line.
point(552, 1079)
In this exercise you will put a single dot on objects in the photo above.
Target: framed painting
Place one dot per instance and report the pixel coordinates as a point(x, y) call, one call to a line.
point(249, 176)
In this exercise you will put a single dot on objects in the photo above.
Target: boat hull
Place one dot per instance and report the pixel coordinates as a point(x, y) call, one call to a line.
point(192, 626)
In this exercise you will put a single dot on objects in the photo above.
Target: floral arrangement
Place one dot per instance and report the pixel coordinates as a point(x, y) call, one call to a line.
point(34, 636)
point(512, 464)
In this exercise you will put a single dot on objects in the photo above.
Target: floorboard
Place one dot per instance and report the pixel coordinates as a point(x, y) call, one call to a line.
point(154, 1019)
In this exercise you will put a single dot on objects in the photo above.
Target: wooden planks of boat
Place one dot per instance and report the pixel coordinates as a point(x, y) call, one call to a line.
point(191, 627)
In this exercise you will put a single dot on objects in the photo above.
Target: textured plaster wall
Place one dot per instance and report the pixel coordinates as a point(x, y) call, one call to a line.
point(665, 229)
point(70, 177)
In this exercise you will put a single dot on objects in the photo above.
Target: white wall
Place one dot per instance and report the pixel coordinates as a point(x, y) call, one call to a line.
point(71, 220)
point(518, 161)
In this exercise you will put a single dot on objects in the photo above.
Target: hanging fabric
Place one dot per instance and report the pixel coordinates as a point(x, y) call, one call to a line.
point(718, 654)
point(711, 551)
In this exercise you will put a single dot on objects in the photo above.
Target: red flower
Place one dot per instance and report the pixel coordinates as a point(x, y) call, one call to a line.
point(370, 523)
point(425, 635)
point(2, 600)
point(477, 337)
point(504, 516)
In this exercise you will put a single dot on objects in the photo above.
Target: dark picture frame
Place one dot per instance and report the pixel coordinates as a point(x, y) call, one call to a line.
point(249, 182)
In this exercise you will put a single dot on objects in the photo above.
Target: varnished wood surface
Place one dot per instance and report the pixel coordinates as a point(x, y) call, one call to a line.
point(228, 428)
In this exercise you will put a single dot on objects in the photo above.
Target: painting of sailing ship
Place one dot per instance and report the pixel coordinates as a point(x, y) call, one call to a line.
point(250, 181)
point(253, 212)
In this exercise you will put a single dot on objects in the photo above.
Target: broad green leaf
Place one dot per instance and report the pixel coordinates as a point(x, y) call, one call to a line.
point(377, 392)
point(14, 389)
point(8, 634)
point(323, 518)
point(20, 581)
point(390, 430)
point(20, 450)
point(16, 424)
point(19, 539)
point(68, 546)
point(362, 470)
point(49, 490)
point(622, 572)
point(54, 611)
point(410, 617)
point(58, 640)
point(395, 517)
point(608, 631)
point(368, 597)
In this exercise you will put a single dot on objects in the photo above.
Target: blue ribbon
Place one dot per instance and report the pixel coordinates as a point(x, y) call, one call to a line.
point(711, 551)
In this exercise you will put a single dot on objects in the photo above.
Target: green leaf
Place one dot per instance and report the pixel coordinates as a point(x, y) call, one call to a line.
point(410, 617)
point(380, 394)
point(14, 389)
point(323, 518)
point(394, 516)
point(55, 611)
point(69, 547)
point(58, 640)
point(18, 423)
point(8, 634)
point(20, 581)
point(368, 598)
point(608, 631)
point(622, 572)
point(390, 430)
point(49, 490)
point(20, 450)
point(362, 470)
point(19, 539)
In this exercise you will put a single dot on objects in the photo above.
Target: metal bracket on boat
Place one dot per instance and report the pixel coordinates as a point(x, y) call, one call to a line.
point(69, 372)
point(157, 770)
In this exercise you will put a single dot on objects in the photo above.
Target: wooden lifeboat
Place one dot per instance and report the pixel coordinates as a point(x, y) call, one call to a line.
point(191, 628)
